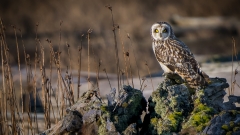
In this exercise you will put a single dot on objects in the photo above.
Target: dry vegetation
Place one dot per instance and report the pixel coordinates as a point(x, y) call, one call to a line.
point(19, 113)
point(134, 19)
point(52, 37)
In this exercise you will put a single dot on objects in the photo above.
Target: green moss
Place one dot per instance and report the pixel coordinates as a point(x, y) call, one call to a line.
point(225, 127)
point(206, 118)
point(170, 123)
point(229, 133)
point(175, 111)
point(234, 112)
point(154, 121)
point(200, 117)
point(199, 121)
point(171, 104)
point(197, 101)
point(124, 105)
point(166, 133)
point(196, 118)
point(231, 123)
point(162, 128)
point(102, 130)
point(129, 110)
point(99, 123)
point(104, 108)
point(175, 118)
point(236, 129)
point(202, 107)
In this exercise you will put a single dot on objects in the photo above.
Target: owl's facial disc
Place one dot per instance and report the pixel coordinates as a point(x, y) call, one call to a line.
point(160, 31)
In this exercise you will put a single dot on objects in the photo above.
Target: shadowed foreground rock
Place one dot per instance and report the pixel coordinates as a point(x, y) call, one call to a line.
point(173, 108)
point(90, 115)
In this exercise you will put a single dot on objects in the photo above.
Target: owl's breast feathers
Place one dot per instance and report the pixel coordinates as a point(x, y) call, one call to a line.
point(176, 56)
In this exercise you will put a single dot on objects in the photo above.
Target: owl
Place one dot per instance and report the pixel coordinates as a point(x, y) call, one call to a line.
point(175, 57)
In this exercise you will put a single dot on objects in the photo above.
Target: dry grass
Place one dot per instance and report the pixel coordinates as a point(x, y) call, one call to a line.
point(234, 72)
point(47, 59)
point(133, 17)
point(19, 113)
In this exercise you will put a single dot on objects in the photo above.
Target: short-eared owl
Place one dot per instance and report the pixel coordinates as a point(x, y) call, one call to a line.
point(175, 57)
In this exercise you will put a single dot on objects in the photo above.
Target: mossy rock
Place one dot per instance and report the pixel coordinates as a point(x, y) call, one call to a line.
point(124, 114)
point(227, 122)
point(168, 106)
point(176, 108)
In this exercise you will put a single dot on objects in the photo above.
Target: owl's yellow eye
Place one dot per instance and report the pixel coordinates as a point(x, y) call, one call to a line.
point(156, 31)
point(165, 31)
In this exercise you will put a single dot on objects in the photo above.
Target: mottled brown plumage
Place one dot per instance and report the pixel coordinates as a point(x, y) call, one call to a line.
point(175, 57)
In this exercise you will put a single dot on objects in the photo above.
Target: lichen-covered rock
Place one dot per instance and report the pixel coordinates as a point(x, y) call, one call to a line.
point(173, 108)
point(72, 122)
point(131, 130)
point(90, 115)
point(214, 93)
point(226, 123)
point(168, 106)
point(89, 102)
point(176, 108)
point(207, 102)
point(200, 116)
point(127, 108)
point(84, 112)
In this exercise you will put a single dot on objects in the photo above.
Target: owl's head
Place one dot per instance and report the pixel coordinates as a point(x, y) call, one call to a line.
point(161, 31)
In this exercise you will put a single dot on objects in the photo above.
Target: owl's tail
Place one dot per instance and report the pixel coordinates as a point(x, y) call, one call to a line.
point(206, 77)
point(198, 80)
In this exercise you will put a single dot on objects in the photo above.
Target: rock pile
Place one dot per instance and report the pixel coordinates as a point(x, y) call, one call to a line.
point(173, 108)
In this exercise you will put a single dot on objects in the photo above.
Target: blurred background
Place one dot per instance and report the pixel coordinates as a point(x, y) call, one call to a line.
point(207, 27)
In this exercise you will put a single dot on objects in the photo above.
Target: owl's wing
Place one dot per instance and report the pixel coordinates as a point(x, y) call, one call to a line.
point(174, 55)
point(185, 63)
point(181, 58)
point(180, 45)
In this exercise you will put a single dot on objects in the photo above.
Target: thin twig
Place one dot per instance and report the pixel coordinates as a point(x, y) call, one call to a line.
point(88, 37)
point(130, 67)
point(134, 57)
point(124, 55)
point(107, 78)
point(79, 67)
point(99, 65)
point(149, 74)
point(116, 47)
